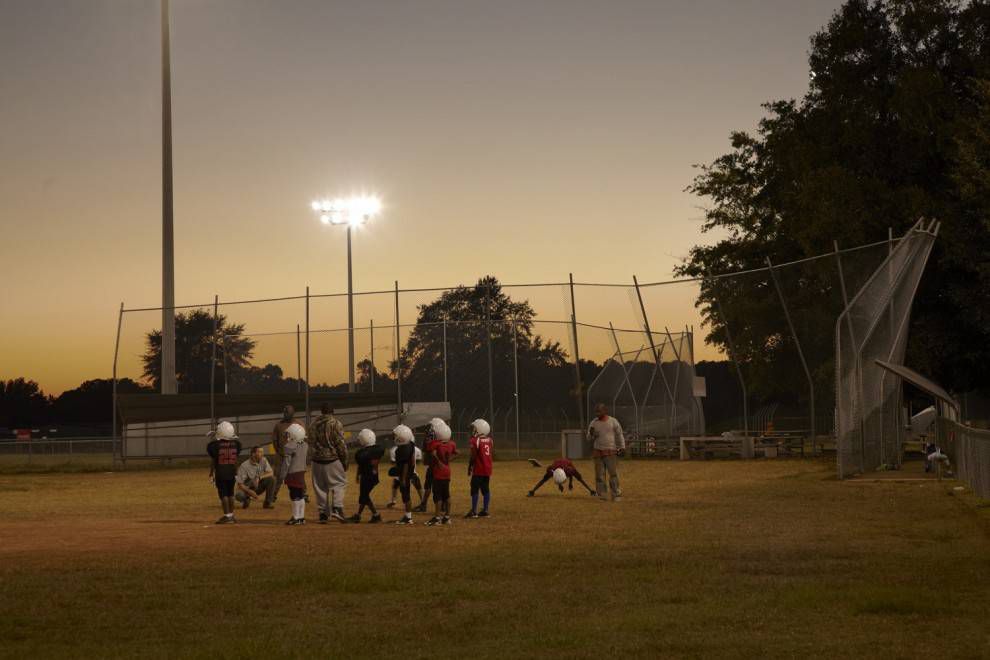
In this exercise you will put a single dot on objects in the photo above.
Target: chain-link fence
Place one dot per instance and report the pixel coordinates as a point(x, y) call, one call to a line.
point(968, 450)
point(534, 359)
point(41, 453)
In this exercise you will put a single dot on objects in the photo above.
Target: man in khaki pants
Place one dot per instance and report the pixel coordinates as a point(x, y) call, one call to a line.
point(607, 444)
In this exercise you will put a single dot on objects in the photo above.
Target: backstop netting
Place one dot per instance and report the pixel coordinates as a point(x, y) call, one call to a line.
point(874, 326)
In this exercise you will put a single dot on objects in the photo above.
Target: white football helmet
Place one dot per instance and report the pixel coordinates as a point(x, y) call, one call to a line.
point(296, 433)
point(559, 476)
point(403, 434)
point(444, 433)
point(481, 428)
point(225, 431)
point(366, 437)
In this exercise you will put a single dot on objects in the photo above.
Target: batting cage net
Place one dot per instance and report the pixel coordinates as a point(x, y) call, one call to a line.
point(870, 418)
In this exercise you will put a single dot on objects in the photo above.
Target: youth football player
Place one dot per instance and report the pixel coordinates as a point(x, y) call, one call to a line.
point(431, 433)
point(480, 467)
point(413, 479)
point(443, 450)
point(405, 463)
point(570, 472)
point(367, 459)
point(295, 450)
point(223, 451)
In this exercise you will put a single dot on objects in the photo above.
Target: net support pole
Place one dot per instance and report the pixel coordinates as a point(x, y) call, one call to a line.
point(488, 344)
point(298, 359)
point(515, 381)
point(656, 354)
point(213, 362)
point(398, 355)
point(371, 375)
point(800, 351)
point(306, 384)
point(852, 337)
point(677, 375)
point(625, 375)
point(577, 356)
point(113, 397)
point(733, 356)
point(226, 384)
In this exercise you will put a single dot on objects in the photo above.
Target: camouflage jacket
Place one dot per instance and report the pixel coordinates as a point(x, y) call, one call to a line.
point(326, 439)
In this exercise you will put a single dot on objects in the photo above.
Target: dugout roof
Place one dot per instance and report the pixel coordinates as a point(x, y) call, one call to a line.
point(926, 385)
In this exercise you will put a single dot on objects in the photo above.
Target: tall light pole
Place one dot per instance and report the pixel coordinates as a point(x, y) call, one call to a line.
point(168, 384)
point(352, 212)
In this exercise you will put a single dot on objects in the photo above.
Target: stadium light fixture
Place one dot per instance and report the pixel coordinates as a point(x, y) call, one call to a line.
point(350, 212)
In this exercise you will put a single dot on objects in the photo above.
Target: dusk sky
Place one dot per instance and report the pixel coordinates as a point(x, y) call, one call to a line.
point(519, 138)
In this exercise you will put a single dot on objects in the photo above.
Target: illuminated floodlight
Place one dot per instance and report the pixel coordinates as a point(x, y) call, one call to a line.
point(351, 211)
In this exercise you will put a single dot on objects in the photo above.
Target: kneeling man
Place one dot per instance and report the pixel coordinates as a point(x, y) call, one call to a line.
point(255, 478)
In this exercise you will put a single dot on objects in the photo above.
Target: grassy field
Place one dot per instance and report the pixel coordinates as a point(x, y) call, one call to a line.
point(701, 559)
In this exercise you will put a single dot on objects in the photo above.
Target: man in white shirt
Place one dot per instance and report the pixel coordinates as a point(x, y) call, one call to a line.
point(608, 443)
point(255, 478)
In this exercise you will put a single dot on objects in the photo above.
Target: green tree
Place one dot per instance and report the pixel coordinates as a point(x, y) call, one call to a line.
point(893, 128)
point(194, 350)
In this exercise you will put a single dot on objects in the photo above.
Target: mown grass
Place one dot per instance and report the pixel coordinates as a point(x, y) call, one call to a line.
point(701, 559)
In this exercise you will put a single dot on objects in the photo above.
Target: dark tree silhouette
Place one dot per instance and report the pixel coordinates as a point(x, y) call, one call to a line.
point(473, 314)
point(22, 404)
point(893, 128)
point(194, 348)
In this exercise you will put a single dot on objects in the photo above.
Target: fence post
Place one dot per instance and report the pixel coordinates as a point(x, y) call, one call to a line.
point(307, 358)
point(797, 344)
point(372, 375)
point(733, 357)
point(213, 362)
point(515, 380)
point(488, 341)
point(398, 355)
point(445, 397)
point(298, 360)
point(577, 355)
point(113, 404)
point(857, 374)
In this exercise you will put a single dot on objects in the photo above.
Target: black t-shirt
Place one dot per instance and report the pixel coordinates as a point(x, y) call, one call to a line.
point(405, 455)
point(367, 459)
point(224, 454)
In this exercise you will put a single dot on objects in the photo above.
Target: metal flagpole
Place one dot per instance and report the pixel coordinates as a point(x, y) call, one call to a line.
point(797, 344)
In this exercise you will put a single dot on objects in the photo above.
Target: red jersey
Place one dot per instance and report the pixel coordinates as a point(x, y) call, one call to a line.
point(443, 450)
point(565, 465)
point(481, 456)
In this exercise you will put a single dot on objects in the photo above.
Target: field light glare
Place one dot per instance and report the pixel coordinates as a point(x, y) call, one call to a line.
point(347, 210)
